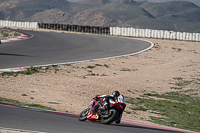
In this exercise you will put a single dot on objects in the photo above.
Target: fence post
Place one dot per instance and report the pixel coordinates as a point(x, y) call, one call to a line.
point(119, 31)
point(152, 33)
point(129, 31)
point(155, 33)
point(11, 23)
point(171, 35)
point(159, 34)
point(139, 32)
point(186, 36)
point(136, 32)
point(126, 31)
point(111, 30)
point(115, 31)
point(190, 36)
point(4, 23)
point(181, 36)
point(198, 36)
point(194, 37)
point(142, 32)
point(122, 31)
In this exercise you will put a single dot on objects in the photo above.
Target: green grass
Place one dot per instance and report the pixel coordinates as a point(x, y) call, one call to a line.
point(8, 34)
point(180, 82)
point(176, 110)
point(177, 49)
point(176, 88)
point(127, 69)
point(139, 108)
point(28, 71)
point(25, 104)
point(105, 65)
point(31, 70)
point(24, 95)
point(91, 74)
point(91, 67)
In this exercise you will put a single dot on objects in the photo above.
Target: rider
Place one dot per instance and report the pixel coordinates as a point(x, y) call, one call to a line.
point(114, 97)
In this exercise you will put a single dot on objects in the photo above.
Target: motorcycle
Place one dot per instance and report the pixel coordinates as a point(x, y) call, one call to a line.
point(93, 112)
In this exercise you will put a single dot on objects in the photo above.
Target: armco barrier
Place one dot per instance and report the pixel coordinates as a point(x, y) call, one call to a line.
point(149, 33)
point(6, 23)
point(115, 31)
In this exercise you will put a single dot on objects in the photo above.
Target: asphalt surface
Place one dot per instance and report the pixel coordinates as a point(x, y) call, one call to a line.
point(54, 48)
point(36, 120)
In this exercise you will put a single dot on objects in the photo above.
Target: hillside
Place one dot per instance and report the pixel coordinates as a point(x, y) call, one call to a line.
point(177, 16)
point(197, 2)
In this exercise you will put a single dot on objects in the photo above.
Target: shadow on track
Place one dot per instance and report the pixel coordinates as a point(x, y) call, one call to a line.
point(14, 54)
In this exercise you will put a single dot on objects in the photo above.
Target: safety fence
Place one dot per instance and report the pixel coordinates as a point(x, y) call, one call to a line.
point(6, 23)
point(149, 33)
point(115, 31)
point(76, 28)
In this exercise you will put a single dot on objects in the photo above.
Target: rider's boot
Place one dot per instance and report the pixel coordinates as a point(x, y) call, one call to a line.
point(104, 110)
point(119, 119)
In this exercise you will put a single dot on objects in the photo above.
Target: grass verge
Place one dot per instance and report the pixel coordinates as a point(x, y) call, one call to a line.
point(25, 104)
point(174, 109)
point(31, 70)
point(179, 108)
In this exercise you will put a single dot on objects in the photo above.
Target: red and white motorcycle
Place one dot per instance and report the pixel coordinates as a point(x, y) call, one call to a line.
point(93, 112)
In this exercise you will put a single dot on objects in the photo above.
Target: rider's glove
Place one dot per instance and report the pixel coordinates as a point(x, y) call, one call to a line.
point(97, 98)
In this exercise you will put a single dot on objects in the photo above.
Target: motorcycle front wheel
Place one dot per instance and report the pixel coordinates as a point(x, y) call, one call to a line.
point(83, 115)
point(112, 116)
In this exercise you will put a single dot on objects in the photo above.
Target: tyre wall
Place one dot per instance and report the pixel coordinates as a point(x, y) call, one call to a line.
point(115, 31)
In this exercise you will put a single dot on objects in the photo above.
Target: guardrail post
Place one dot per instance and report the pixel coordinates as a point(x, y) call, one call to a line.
point(130, 31)
point(100, 30)
point(79, 28)
point(152, 33)
point(194, 37)
point(136, 32)
point(197, 37)
point(14, 24)
point(111, 30)
point(115, 31)
point(1, 23)
point(97, 30)
point(186, 36)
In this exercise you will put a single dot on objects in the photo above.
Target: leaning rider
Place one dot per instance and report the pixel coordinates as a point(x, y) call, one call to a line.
point(114, 97)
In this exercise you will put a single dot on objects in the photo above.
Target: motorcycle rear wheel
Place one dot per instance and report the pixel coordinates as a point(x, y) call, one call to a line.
point(83, 115)
point(112, 116)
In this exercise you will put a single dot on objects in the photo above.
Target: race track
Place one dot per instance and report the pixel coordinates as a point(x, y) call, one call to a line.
point(55, 48)
point(37, 120)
